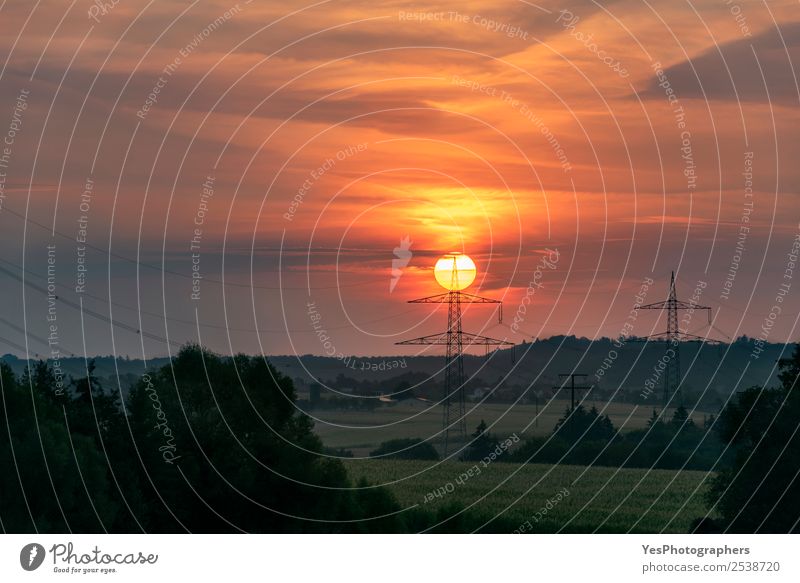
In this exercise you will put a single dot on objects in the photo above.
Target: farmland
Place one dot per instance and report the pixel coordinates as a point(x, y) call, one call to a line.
point(363, 431)
point(597, 499)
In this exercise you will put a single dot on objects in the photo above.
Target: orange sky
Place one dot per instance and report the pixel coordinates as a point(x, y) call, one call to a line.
point(331, 132)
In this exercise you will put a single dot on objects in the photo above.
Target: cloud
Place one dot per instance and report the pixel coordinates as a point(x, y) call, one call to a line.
point(758, 69)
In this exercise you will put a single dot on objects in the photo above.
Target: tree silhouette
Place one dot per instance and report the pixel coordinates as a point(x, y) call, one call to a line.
point(482, 443)
point(680, 417)
point(204, 444)
point(406, 449)
point(761, 491)
point(581, 425)
point(403, 391)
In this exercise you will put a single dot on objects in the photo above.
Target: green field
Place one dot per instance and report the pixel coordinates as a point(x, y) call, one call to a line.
point(362, 431)
point(599, 499)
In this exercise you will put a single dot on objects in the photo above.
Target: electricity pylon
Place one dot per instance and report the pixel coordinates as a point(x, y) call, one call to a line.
point(672, 339)
point(454, 427)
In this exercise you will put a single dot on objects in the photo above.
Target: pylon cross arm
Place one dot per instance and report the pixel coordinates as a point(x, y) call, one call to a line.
point(464, 298)
point(681, 337)
point(467, 338)
point(677, 304)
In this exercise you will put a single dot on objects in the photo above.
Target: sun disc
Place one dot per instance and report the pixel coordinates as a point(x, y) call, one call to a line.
point(455, 271)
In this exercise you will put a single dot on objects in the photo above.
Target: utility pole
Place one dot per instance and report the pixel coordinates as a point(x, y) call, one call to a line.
point(573, 387)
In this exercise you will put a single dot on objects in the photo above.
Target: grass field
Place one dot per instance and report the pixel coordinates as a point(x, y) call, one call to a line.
point(598, 500)
point(363, 431)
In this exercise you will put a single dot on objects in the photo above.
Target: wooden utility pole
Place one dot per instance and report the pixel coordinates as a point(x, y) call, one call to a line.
point(572, 386)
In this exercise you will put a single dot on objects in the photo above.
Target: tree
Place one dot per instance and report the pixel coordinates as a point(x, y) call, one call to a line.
point(204, 444)
point(761, 491)
point(406, 449)
point(41, 378)
point(403, 391)
point(224, 445)
point(680, 417)
point(482, 443)
point(51, 480)
point(314, 394)
point(708, 422)
point(581, 425)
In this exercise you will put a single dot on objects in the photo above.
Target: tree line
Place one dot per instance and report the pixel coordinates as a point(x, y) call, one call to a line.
point(208, 443)
point(204, 444)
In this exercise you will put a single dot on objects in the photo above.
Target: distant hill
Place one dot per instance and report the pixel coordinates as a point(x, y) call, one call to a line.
point(107, 368)
point(716, 369)
point(721, 368)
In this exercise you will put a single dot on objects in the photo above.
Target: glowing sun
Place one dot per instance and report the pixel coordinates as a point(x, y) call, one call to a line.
point(455, 271)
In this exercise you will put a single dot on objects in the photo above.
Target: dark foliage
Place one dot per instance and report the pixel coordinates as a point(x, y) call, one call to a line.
point(581, 425)
point(205, 444)
point(406, 449)
point(487, 446)
point(760, 491)
point(402, 391)
point(586, 437)
point(481, 445)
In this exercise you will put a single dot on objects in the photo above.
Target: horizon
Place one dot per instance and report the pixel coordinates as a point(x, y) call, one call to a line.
point(744, 338)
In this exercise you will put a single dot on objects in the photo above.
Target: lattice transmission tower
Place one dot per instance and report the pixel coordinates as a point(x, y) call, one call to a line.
point(454, 430)
point(672, 339)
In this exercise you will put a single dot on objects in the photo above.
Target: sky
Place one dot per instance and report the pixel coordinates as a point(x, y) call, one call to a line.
point(270, 178)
